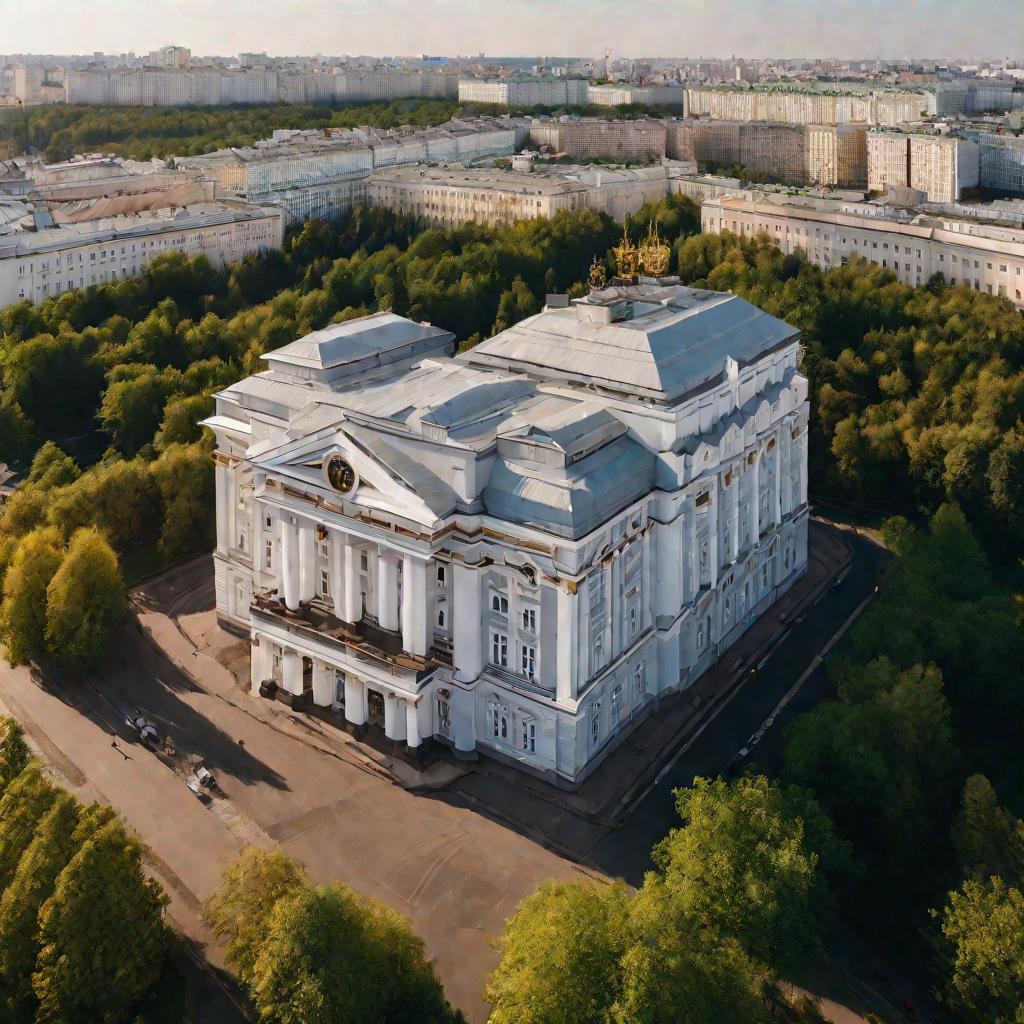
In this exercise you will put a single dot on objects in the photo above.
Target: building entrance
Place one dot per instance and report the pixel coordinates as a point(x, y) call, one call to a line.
point(375, 706)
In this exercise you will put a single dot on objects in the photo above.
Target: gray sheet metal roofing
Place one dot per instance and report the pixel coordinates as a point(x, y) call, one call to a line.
point(352, 340)
point(672, 346)
point(573, 501)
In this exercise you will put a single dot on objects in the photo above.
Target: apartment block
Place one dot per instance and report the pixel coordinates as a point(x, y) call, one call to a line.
point(914, 245)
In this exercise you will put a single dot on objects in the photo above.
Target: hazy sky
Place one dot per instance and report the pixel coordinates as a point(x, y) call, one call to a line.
point(890, 28)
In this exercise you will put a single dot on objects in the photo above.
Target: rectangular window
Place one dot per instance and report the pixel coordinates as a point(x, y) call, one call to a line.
point(499, 649)
point(268, 554)
point(616, 703)
point(530, 620)
point(528, 660)
point(595, 722)
point(638, 685)
point(325, 583)
point(530, 735)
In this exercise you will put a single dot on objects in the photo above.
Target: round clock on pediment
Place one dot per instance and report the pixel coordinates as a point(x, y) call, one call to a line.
point(340, 474)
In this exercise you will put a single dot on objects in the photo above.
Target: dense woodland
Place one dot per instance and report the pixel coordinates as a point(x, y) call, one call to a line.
point(59, 131)
point(897, 803)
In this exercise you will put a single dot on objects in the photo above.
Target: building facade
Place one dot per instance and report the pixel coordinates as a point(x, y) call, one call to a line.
point(941, 166)
point(524, 92)
point(790, 154)
point(981, 256)
point(517, 550)
point(454, 195)
point(591, 138)
point(36, 265)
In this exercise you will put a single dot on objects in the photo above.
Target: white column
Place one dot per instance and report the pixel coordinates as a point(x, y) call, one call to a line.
point(394, 717)
point(307, 561)
point(755, 498)
point(786, 469)
point(463, 721)
point(412, 724)
point(353, 594)
point(802, 457)
point(323, 684)
point(734, 517)
point(292, 673)
point(415, 638)
point(777, 489)
point(713, 535)
point(261, 664)
point(335, 568)
point(387, 590)
point(355, 700)
point(692, 554)
point(468, 648)
point(567, 641)
point(223, 508)
point(670, 568)
point(289, 564)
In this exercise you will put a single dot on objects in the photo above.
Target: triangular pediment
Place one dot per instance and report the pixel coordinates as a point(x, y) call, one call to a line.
point(382, 476)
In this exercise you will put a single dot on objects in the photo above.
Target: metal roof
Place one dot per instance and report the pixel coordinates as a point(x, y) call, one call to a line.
point(353, 340)
point(573, 501)
point(670, 341)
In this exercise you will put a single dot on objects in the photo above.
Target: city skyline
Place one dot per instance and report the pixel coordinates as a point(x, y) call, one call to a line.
point(968, 29)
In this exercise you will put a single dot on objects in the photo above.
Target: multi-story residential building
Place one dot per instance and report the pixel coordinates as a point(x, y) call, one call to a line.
point(620, 94)
point(806, 106)
point(454, 195)
point(941, 166)
point(310, 175)
point(592, 138)
point(38, 263)
point(837, 154)
point(982, 256)
point(172, 85)
point(792, 154)
point(1001, 165)
point(518, 550)
point(524, 92)
point(888, 161)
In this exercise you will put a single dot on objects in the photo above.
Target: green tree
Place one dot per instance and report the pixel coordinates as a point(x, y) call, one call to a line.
point(982, 952)
point(101, 933)
point(239, 909)
point(52, 846)
point(23, 805)
point(560, 955)
point(987, 838)
point(52, 467)
point(748, 861)
point(14, 752)
point(879, 759)
point(678, 969)
point(23, 612)
point(180, 424)
point(85, 599)
point(183, 475)
point(331, 956)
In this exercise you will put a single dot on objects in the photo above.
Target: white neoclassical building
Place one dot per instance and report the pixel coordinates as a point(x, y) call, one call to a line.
point(515, 550)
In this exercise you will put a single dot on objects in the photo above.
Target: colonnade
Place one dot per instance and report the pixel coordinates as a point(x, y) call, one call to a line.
point(401, 711)
point(404, 609)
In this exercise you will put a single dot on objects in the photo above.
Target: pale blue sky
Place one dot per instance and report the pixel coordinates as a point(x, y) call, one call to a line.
point(893, 28)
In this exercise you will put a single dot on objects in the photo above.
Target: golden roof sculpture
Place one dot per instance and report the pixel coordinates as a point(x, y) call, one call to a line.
point(627, 258)
point(654, 254)
point(598, 277)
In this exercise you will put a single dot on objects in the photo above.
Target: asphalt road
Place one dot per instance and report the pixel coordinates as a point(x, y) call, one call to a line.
point(625, 853)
